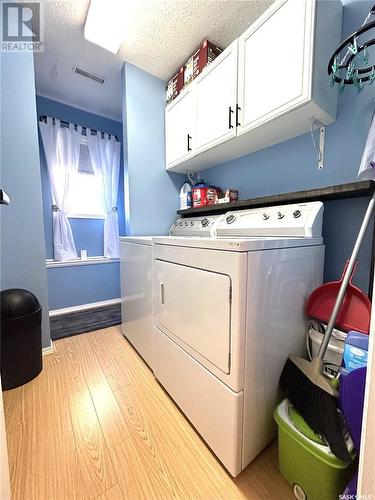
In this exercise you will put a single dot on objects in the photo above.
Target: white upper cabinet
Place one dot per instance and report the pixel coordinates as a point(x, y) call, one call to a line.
point(216, 100)
point(272, 55)
point(266, 87)
point(180, 123)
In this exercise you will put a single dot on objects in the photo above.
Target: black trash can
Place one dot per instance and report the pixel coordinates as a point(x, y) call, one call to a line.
point(21, 337)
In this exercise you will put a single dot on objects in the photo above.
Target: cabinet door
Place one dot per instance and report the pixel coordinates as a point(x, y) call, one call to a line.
point(179, 128)
point(275, 62)
point(216, 91)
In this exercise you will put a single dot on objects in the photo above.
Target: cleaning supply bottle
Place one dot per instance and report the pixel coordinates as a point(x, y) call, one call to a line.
point(185, 196)
point(355, 352)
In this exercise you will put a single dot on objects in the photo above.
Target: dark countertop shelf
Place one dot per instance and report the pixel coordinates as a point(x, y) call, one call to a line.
point(350, 190)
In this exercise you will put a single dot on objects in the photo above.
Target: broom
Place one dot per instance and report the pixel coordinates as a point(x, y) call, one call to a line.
point(304, 382)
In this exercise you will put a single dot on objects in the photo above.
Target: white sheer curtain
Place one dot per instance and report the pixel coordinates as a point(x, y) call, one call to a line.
point(61, 146)
point(105, 159)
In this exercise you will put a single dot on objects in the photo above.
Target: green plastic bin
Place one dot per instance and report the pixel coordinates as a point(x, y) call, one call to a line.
point(309, 467)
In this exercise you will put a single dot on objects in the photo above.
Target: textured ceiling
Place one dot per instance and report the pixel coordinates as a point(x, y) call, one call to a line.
point(159, 35)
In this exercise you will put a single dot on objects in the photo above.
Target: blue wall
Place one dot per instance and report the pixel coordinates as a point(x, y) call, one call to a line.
point(153, 192)
point(70, 286)
point(23, 256)
point(292, 166)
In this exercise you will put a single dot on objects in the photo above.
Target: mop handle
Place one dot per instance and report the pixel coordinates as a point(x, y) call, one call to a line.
point(346, 278)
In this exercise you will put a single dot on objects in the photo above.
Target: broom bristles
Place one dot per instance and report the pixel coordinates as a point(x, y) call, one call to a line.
point(318, 408)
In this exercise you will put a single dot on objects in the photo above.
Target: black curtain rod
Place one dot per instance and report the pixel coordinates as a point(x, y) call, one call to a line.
point(43, 118)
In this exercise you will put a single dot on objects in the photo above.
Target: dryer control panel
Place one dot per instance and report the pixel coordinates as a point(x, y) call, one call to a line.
point(302, 220)
point(196, 226)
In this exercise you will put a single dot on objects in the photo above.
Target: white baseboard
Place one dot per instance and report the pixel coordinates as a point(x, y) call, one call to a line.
point(83, 307)
point(48, 350)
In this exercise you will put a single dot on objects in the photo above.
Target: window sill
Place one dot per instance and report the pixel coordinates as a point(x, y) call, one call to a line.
point(86, 216)
point(50, 263)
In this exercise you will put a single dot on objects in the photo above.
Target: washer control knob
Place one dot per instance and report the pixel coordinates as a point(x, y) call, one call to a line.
point(192, 223)
point(266, 216)
point(231, 218)
point(180, 224)
point(296, 214)
point(205, 222)
point(186, 223)
point(176, 223)
point(280, 215)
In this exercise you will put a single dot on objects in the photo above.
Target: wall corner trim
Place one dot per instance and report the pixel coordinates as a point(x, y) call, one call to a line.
point(48, 350)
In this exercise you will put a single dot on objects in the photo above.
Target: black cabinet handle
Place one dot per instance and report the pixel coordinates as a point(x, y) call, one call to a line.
point(230, 116)
point(238, 124)
point(188, 142)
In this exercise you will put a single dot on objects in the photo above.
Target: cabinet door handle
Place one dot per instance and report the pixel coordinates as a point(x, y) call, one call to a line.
point(230, 116)
point(188, 142)
point(162, 293)
point(238, 124)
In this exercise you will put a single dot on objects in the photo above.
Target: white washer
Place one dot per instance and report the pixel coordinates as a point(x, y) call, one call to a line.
point(136, 280)
point(136, 292)
point(228, 311)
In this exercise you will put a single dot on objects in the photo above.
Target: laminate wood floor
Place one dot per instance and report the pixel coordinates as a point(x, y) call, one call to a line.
point(95, 424)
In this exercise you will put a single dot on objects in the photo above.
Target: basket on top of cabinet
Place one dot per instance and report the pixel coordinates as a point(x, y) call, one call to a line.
point(261, 90)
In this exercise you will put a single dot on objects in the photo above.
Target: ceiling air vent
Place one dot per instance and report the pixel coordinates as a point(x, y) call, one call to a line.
point(92, 76)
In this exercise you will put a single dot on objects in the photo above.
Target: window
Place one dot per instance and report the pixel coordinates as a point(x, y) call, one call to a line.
point(87, 199)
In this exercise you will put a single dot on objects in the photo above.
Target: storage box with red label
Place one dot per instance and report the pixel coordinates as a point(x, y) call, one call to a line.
point(213, 193)
point(175, 85)
point(231, 196)
point(205, 54)
point(203, 196)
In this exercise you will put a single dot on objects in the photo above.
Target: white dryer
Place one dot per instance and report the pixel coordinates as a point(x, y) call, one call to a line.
point(228, 310)
point(136, 280)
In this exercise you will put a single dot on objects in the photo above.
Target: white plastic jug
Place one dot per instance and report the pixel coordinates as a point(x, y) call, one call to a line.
point(185, 196)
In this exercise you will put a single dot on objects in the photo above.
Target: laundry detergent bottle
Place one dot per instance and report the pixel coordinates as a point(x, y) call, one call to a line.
point(185, 196)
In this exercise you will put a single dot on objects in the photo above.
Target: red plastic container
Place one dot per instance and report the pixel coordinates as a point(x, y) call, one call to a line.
point(199, 196)
point(355, 310)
